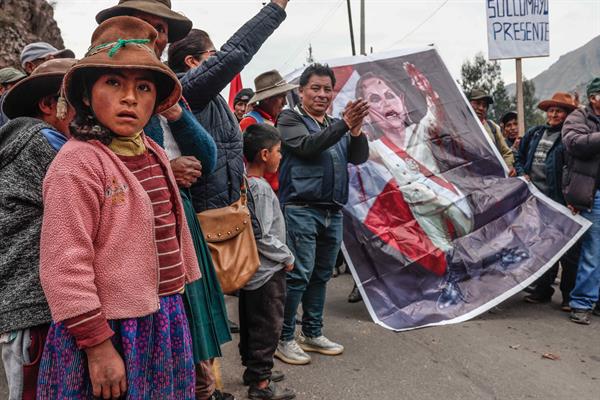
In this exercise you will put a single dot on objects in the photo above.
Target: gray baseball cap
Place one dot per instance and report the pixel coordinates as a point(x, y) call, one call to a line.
point(35, 51)
point(10, 75)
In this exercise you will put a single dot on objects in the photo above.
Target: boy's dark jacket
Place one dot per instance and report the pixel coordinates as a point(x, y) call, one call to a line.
point(25, 155)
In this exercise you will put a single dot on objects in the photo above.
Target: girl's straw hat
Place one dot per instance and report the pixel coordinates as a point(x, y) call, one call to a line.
point(123, 43)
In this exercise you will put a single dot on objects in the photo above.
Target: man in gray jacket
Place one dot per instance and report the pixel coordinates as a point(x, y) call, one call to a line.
point(28, 144)
point(581, 137)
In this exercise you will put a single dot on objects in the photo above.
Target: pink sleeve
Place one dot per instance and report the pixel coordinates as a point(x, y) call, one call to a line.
point(73, 195)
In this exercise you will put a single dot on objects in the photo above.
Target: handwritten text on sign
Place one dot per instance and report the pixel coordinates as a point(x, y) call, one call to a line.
point(517, 28)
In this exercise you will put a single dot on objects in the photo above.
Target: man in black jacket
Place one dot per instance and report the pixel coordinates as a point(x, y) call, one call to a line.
point(313, 188)
point(204, 73)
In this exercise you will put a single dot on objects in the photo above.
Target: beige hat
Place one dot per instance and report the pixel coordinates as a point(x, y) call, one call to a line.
point(123, 43)
point(270, 84)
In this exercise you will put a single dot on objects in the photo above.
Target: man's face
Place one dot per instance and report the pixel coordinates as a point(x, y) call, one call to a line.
point(31, 65)
point(316, 96)
point(556, 116)
point(481, 107)
point(240, 109)
point(595, 102)
point(161, 27)
point(511, 129)
point(274, 105)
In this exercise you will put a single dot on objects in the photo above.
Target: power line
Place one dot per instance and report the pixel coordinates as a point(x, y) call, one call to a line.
point(309, 37)
point(421, 24)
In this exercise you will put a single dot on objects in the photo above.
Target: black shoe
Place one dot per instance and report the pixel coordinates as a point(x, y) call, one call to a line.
point(276, 376)
point(271, 392)
point(218, 395)
point(354, 296)
point(596, 311)
point(535, 298)
point(233, 327)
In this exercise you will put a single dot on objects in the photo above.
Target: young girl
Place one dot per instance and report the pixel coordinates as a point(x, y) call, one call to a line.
point(115, 250)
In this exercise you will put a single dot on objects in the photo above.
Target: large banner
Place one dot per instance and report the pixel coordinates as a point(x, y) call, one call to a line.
point(517, 28)
point(434, 231)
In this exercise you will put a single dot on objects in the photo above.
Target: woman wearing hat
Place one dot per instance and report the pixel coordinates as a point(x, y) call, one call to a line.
point(192, 153)
point(541, 159)
point(114, 280)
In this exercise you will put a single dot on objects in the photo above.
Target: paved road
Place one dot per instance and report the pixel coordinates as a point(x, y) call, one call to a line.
point(496, 356)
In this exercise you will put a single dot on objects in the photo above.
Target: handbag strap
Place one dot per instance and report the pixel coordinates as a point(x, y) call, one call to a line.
point(244, 190)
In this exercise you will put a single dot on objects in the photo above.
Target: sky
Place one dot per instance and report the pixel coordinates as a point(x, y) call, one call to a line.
point(456, 27)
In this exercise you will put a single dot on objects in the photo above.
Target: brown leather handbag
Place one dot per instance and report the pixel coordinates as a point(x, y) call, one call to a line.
point(228, 232)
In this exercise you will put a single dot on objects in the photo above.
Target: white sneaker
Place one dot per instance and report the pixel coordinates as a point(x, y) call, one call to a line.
point(321, 345)
point(289, 352)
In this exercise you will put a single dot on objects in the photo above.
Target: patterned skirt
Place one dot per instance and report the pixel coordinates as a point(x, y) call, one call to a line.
point(156, 349)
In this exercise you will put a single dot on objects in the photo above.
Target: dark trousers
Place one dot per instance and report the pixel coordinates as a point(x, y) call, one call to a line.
point(261, 319)
point(568, 262)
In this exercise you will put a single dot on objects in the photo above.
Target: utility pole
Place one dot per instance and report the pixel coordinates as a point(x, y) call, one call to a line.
point(351, 27)
point(363, 46)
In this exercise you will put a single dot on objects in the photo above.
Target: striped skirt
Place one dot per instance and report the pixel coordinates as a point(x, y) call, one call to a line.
point(156, 350)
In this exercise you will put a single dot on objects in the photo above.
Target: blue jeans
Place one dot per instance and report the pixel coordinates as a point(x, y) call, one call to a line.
point(314, 235)
point(587, 285)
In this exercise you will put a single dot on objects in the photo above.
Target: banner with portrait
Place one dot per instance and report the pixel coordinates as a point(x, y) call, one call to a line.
point(434, 230)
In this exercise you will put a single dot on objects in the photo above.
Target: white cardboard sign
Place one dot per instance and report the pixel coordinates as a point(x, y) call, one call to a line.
point(517, 28)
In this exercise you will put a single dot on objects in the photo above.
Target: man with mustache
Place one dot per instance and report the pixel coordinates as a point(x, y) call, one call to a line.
point(313, 177)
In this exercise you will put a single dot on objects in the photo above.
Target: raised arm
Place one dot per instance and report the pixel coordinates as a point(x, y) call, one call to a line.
point(206, 81)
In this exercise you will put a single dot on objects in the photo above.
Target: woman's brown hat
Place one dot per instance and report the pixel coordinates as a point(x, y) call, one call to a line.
point(560, 99)
point(179, 25)
point(22, 99)
point(269, 84)
point(123, 43)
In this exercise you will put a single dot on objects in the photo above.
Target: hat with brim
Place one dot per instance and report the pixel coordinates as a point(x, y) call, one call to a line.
point(123, 43)
point(22, 99)
point(11, 75)
point(560, 99)
point(270, 84)
point(479, 94)
point(179, 25)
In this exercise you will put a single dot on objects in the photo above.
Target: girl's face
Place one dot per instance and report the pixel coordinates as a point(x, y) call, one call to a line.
point(387, 112)
point(123, 101)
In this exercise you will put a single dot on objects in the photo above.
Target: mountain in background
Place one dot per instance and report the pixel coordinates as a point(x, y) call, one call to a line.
point(572, 72)
point(23, 22)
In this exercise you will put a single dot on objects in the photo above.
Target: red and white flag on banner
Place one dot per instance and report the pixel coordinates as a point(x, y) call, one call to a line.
point(234, 88)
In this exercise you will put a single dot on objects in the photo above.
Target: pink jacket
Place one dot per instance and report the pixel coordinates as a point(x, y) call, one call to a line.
point(97, 245)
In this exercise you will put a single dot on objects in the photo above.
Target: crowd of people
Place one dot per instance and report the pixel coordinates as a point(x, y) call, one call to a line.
point(132, 197)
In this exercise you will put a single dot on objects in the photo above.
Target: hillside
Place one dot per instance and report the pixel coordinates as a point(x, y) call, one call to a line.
point(23, 22)
point(570, 73)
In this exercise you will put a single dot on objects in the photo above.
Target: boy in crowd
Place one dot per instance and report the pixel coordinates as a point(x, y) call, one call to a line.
point(262, 299)
point(38, 128)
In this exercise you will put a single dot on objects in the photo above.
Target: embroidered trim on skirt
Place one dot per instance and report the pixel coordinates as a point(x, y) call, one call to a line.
point(156, 349)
